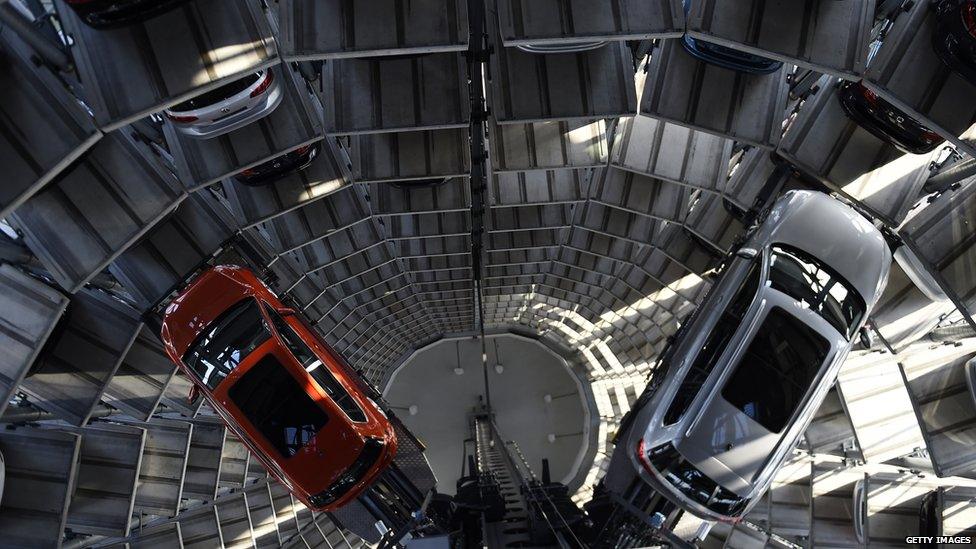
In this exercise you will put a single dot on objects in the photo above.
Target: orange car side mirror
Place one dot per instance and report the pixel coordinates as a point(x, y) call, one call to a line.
point(287, 311)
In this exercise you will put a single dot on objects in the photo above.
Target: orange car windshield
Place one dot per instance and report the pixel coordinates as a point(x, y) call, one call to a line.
point(226, 341)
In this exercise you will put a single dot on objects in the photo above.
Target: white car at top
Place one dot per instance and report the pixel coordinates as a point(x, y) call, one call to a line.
point(746, 373)
point(230, 106)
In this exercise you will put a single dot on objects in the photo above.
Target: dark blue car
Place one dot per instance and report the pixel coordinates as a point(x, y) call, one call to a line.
point(727, 57)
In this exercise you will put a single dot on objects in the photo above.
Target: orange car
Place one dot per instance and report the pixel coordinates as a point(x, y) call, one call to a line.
point(292, 399)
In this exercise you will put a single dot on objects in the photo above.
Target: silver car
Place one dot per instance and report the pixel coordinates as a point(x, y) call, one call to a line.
point(748, 370)
point(228, 107)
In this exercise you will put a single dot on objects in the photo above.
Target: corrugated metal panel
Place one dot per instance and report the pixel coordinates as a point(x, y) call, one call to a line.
point(830, 37)
point(749, 108)
point(97, 209)
point(567, 21)
point(143, 68)
point(830, 429)
point(293, 123)
point(163, 536)
point(907, 72)
point(945, 407)
point(151, 269)
point(175, 397)
point(875, 397)
point(253, 205)
point(29, 310)
point(671, 152)
point(235, 522)
point(284, 506)
point(40, 468)
point(200, 528)
point(317, 220)
point(833, 149)
point(43, 129)
point(712, 221)
point(904, 314)
point(162, 467)
point(941, 235)
point(108, 467)
point(317, 29)
point(640, 194)
point(395, 94)
point(547, 145)
point(958, 516)
point(892, 500)
point(70, 378)
point(832, 505)
point(233, 462)
point(539, 187)
point(203, 460)
point(139, 383)
point(527, 87)
point(410, 155)
point(450, 196)
point(261, 510)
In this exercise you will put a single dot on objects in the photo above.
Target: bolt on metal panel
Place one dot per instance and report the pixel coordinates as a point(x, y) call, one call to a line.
point(108, 469)
point(316, 29)
point(831, 148)
point(164, 456)
point(139, 383)
point(749, 108)
point(293, 123)
point(944, 404)
point(528, 87)
point(145, 67)
point(828, 37)
point(832, 505)
point(203, 460)
point(830, 428)
point(200, 528)
point(547, 145)
point(44, 128)
point(529, 22)
point(96, 210)
point(252, 205)
point(152, 268)
point(907, 72)
point(410, 155)
point(70, 378)
point(671, 152)
point(539, 187)
point(940, 235)
point(235, 521)
point(29, 311)
point(40, 470)
point(876, 399)
point(395, 94)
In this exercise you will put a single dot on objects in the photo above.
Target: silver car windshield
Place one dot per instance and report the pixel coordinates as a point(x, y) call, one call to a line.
point(807, 280)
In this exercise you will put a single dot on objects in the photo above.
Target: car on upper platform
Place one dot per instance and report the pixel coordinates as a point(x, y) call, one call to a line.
point(280, 166)
point(291, 398)
point(740, 381)
point(726, 57)
point(885, 121)
point(228, 107)
point(954, 39)
point(106, 14)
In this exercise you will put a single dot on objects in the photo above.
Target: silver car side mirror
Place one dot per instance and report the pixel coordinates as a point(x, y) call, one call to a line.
point(747, 253)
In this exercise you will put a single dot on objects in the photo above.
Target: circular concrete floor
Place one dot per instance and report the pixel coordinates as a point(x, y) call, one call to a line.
point(535, 398)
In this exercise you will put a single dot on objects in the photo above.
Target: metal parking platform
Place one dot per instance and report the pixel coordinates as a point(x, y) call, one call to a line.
point(162, 467)
point(527, 22)
point(316, 29)
point(394, 94)
point(408, 156)
point(44, 129)
point(907, 72)
point(831, 148)
point(97, 209)
point(292, 124)
point(132, 72)
point(547, 145)
point(142, 377)
point(746, 107)
point(828, 37)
